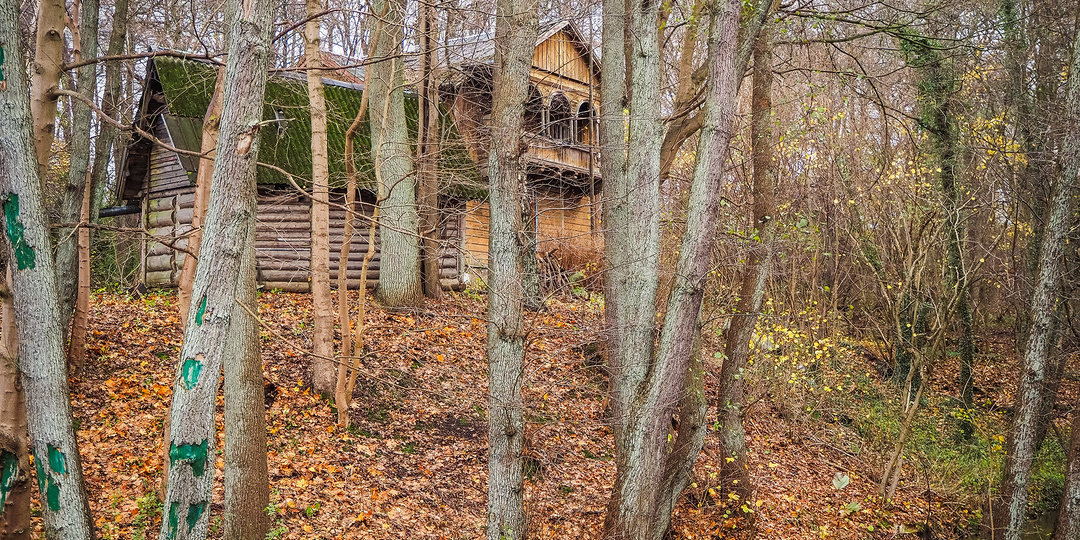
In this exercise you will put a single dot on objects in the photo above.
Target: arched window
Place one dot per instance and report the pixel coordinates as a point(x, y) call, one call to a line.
point(585, 123)
point(534, 111)
point(559, 116)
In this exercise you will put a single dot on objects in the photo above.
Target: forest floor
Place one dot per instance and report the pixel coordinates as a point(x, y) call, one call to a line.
point(413, 463)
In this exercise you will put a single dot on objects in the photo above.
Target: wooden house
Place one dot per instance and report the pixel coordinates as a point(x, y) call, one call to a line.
point(174, 103)
point(562, 166)
point(562, 159)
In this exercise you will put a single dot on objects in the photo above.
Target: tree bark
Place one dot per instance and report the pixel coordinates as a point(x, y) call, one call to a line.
point(247, 482)
point(48, 60)
point(322, 301)
point(515, 38)
point(1068, 521)
point(205, 175)
point(1021, 447)
point(41, 351)
point(218, 286)
point(81, 317)
point(646, 385)
point(427, 150)
point(14, 455)
point(68, 252)
point(734, 476)
point(108, 134)
point(399, 260)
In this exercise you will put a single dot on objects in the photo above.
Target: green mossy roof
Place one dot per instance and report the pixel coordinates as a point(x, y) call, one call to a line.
point(188, 85)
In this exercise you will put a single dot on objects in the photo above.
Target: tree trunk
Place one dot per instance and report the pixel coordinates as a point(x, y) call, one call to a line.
point(41, 351)
point(1022, 444)
point(247, 483)
point(399, 257)
point(48, 60)
point(515, 38)
point(322, 301)
point(427, 150)
point(734, 475)
point(1068, 521)
point(77, 347)
point(68, 252)
point(108, 134)
point(647, 386)
point(218, 286)
point(205, 175)
point(14, 456)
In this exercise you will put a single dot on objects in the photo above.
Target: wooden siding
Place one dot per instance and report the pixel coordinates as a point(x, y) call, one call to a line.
point(166, 171)
point(563, 226)
point(559, 55)
point(282, 242)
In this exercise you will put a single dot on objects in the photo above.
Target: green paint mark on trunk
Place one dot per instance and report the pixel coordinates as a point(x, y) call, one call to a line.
point(200, 312)
point(9, 471)
point(194, 512)
point(53, 496)
point(189, 372)
point(57, 462)
point(1, 80)
point(24, 254)
point(173, 519)
point(195, 454)
point(40, 474)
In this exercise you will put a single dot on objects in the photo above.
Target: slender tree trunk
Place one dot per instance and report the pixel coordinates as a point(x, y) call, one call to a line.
point(68, 252)
point(734, 474)
point(427, 150)
point(1021, 447)
point(321, 298)
point(205, 175)
point(1068, 521)
point(218, 286)
point(77, 347)
point(247, 484)
point(515, 38)
point(41, 351)
point(14, 455)
point(399, 256)
point(48, 60)
point(108, 134)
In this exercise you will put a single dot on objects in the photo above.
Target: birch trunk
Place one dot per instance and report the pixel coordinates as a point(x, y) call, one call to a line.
point(322, 301)
point(399, 262)
point(14, 455)
point(48, 60)
point(1021, 447)
point(515, 38)
point(734, 476)
point(217, 286)
point(41, 351)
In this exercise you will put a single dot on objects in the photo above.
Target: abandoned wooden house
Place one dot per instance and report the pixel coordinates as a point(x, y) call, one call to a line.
point(563, 172)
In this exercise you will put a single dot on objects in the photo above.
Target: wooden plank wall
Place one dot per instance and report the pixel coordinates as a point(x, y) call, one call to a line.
point(282, 242)
point(166, 171)
point(559, 55)
point(562, 225)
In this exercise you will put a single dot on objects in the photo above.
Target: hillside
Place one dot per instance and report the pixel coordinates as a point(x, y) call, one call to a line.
point(413, 463)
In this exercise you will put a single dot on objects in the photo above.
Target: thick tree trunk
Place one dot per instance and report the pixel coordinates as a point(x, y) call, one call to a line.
point(399, 262)
point(322, 301)
point(427, 151)
point(41, 351)
point(734, 474)
point(647, 386)
point(247, 484)
point(67, 249)
point(14, 455)
point(218, 286)
point(205, 175)
point(1022, 443)
point(515, 39)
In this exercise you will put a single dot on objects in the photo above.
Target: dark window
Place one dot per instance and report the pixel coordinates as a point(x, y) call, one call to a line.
point(585, 123)
point(559, 117)
point(534, 111)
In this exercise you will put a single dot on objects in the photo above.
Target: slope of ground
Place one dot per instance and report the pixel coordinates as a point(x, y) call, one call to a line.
point(413, 463)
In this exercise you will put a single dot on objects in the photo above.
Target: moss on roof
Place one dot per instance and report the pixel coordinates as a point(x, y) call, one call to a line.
point(188, 86)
